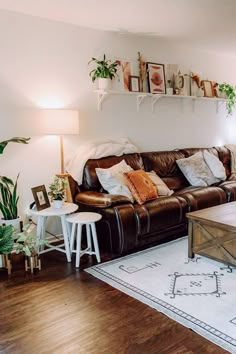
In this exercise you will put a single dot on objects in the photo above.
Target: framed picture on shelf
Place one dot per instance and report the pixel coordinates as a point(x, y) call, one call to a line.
point(207, 88)
point(40, 197)
point(156, 78)
point(134, 83)
point(123, 73)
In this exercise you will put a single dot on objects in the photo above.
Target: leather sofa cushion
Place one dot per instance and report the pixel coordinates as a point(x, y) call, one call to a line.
point(164, 164)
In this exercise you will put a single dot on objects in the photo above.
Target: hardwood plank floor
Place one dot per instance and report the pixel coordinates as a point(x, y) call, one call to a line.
point(64, 310)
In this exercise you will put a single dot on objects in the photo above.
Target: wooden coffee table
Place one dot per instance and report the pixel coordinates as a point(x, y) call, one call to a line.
point(212, 233)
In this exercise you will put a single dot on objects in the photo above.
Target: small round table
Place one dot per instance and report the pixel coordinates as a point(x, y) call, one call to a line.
point(67, 208)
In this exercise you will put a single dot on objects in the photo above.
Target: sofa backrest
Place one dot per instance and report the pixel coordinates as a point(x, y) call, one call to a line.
point(164, 164)
point(90, 180)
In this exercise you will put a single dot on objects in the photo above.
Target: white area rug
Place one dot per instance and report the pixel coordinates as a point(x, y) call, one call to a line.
point(198, 293)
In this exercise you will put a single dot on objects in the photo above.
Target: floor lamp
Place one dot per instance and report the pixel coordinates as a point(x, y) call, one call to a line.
point(60, 122)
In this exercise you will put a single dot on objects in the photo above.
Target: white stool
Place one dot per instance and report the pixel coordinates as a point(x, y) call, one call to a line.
point(80, 219)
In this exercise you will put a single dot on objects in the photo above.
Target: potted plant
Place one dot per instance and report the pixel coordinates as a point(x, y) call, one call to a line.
point(6, 245)
point(229, 92)
point(104, 72)
point(28, 243)
point(57, 191)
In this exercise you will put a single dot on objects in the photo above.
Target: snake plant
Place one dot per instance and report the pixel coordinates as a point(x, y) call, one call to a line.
point(8, 198)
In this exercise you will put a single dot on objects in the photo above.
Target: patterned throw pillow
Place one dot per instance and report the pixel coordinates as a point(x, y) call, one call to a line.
point(196, 170)
point(112, 179)
point(140, 185)
point(162, 188)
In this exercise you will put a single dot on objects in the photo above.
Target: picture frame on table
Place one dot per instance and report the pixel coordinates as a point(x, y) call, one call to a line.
point(134, 83)
point(40, 197)
point(207, 88)
point(156, 78)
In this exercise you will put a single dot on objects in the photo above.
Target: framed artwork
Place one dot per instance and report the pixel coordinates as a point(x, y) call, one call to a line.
point(156, 78)
point(40, 197)
point(134, 83)
point(123, 73)
point(207, 88)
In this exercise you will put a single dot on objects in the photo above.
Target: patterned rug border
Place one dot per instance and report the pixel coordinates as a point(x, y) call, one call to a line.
point(205, 330)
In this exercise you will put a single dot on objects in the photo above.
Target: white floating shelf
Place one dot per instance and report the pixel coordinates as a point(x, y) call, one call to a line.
point(140, 96)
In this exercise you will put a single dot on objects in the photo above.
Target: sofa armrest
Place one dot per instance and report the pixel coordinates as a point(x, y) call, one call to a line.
point(101, 200)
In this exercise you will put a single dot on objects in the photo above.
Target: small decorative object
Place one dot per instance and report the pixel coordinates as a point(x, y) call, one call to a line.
point(195, 83)
point(134, 83)
point(178, 83)
point(170, 71)
point(207, 88)
point(156, 78)
point(28, 243)
point(230, 92)
point(169, 89)
point(40, 197)
point(142, 71)
point(58, 190)
point(104, 72)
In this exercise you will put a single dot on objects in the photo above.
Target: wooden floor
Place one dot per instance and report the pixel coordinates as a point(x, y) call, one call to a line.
point(63, 310)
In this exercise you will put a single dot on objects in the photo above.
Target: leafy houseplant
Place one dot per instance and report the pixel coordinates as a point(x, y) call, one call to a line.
point(8, 198)
point(6, 239)
point(105, 69)
point(8, 188)
point(58, 188)
point(230, 92)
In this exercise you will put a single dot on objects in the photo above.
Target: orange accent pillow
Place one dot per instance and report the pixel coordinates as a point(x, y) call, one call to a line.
point(140, 185)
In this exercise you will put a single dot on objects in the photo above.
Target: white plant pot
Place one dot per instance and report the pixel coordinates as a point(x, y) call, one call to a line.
point(169, 91)
point(16, 223)
point(57, 204)
point(104, 84)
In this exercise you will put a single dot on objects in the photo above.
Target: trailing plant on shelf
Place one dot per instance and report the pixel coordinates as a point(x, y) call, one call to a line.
point(105, 69)
point(58, 188)
point(230, 92)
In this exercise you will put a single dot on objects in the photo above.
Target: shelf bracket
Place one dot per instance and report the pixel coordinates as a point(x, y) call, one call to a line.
point(154, 100)
point(140, 99)
point(100, 98)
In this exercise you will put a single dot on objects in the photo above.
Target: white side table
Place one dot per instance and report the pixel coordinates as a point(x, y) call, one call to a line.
point(79, 219)
point(67, 208)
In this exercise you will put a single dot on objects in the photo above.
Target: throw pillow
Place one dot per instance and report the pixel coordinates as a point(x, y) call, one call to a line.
point(215, 165)
point(162, 188)
point(112, 179)
point(196, 170)
point(141, 186)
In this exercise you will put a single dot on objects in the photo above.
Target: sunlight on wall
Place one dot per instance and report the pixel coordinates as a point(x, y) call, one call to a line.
point(50, 102)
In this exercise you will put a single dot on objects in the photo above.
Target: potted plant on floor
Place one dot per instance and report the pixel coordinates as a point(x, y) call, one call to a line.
point(104, 72)
point(57, 191)
point(9, 202)
point(6, 246)
point(28, 243)
point(229, 92)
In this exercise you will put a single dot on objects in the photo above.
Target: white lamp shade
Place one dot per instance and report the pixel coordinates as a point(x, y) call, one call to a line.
point(59, 121)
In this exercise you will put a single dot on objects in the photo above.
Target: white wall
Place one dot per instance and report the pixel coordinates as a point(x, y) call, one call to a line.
point(44, 64)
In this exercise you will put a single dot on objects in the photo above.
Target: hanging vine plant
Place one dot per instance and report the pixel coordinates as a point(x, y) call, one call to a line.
point(230, 92)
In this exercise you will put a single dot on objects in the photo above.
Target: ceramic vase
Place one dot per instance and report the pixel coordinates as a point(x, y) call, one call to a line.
point(104, 84)
point(57, 204)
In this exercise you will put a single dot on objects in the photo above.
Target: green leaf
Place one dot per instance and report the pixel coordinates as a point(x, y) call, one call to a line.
point(20, 140)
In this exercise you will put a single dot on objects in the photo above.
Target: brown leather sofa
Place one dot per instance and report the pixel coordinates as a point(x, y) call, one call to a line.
point(126, 227)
